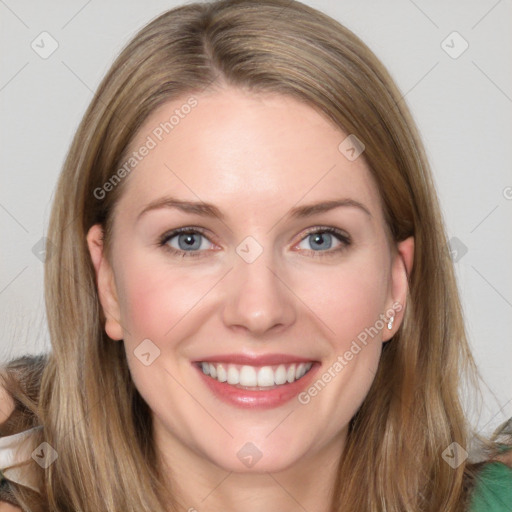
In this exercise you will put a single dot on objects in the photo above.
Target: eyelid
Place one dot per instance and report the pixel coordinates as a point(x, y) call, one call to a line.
point(328, 229)
point(169, 235)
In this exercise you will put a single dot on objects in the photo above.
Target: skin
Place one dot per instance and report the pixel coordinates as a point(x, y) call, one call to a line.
point(6, 507)
point(255, 157)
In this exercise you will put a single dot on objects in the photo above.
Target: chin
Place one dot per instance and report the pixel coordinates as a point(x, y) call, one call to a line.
point(253, 457)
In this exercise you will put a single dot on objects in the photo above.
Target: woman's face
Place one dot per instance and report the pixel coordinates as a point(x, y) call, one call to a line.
point(261, 282)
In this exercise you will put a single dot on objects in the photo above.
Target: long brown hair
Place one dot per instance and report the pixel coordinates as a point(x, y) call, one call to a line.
point(91, 412)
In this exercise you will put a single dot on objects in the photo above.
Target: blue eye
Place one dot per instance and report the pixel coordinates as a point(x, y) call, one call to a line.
point(190, 241)
point(321, 239)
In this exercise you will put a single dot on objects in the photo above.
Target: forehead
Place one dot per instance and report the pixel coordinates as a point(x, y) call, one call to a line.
point(234, 149)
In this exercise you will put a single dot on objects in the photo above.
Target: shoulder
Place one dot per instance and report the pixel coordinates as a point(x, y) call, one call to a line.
point(493, 491)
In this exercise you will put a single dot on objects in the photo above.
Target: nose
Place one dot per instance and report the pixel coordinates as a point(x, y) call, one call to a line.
point(257, 297)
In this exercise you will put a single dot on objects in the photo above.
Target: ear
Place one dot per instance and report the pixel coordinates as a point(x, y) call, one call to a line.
point(400, 270)
point(105, 283)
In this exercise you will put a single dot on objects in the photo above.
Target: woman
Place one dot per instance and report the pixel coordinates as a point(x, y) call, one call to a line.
point(206, 355)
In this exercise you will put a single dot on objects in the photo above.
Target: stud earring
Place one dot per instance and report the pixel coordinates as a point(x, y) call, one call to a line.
point(390, 323)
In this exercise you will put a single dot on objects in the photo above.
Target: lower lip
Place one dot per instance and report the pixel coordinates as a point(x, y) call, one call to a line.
point(251, 399)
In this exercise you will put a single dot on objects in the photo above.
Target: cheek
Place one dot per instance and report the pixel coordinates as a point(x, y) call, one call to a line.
point(155, 297)
point(157, 303)
point(347, 298)
point(151, 308)
point(147, 304)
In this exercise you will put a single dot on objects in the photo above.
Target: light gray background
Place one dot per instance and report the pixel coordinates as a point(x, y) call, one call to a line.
point(462, 106)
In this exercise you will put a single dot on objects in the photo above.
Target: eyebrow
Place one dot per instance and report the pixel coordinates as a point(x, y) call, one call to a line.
point(210, 210)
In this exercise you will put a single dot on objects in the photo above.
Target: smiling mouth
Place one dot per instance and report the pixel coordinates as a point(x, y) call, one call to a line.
point(257, 378)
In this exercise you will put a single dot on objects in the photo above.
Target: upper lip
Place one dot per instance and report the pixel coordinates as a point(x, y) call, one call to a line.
point(254, 360)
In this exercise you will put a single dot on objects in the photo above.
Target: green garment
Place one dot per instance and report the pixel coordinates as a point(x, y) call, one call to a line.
point(493, 492)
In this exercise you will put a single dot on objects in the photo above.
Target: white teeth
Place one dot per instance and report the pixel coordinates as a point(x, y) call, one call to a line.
point(222, 375)
point(265, 376)
point(250, 376)
point(233, 375)
point(290, 375)
point(280, 375)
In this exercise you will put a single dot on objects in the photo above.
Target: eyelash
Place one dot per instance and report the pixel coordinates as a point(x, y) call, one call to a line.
point(340, 235)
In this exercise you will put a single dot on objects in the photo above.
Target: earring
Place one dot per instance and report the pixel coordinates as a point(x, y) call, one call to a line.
point(390, 323)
